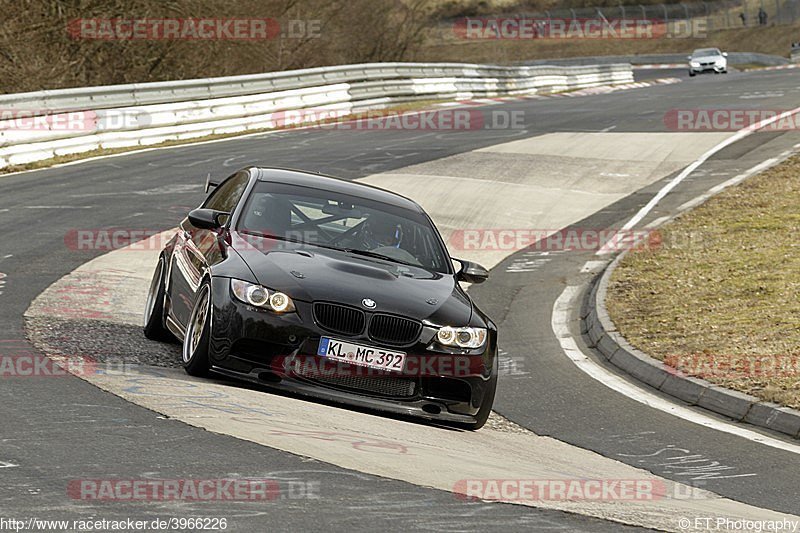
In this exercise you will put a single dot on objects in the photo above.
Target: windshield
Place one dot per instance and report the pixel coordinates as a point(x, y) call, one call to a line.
point(705, 52)
point(328, 220)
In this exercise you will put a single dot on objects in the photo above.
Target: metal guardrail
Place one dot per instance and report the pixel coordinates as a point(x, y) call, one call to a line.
point(150, 113)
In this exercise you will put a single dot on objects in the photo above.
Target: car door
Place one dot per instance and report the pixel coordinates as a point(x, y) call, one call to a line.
point(196, 249)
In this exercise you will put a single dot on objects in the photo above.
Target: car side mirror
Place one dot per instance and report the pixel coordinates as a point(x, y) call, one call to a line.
point(689, 58)
point(724, 54)
point(471, 272)
point(207, 218)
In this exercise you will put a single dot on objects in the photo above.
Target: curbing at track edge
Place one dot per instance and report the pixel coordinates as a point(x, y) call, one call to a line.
point(602, 335)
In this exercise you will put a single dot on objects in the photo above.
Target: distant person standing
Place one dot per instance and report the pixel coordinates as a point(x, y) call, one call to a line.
point(762, 16)
point(743, 16)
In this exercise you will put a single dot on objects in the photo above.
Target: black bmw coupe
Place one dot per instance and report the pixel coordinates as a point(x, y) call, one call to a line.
point(328, 288)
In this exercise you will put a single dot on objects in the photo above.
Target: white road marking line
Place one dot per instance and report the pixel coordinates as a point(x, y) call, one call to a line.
point(196, 162)
point(693, 202)
point(526, 265)
point(57, 207)
point(614, 175)
point(560, 325)
point(733, 181)
point(593, 266)
point(657, 222)
point(746, 174)
point(739, 135)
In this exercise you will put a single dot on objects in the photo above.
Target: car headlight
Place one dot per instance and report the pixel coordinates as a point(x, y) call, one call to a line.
point(721, 61)
point(695, 63)
point(259, 296)
point(461, 337)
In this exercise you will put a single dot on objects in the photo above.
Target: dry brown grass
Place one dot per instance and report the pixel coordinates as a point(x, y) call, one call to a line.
point(37, 51)
point(722, 301)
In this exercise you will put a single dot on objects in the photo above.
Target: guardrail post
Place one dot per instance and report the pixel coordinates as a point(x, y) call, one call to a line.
point(709, 20)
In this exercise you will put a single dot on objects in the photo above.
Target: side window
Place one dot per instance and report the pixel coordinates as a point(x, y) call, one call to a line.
point(227, 195)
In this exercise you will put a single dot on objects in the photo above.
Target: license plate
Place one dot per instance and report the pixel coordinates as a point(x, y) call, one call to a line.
point(357, 354)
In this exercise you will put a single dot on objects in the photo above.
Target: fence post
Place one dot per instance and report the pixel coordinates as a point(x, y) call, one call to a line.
point(709, 20)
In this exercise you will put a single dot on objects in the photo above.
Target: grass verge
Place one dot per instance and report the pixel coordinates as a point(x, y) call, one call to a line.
point(720, 298)
point(774, 40)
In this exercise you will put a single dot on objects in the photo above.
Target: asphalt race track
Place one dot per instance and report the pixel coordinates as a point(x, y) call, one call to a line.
point(586, 161)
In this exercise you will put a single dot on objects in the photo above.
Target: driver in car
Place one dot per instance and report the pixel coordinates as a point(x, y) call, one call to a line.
point(384, 236)
point(381, 232)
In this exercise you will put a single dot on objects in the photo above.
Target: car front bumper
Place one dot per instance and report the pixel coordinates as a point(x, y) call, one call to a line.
point(708, 68)
point(279, 352)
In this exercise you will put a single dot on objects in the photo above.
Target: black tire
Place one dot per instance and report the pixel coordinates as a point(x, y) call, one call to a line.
point(155, 327)
point(198, 332)
point(691, 74)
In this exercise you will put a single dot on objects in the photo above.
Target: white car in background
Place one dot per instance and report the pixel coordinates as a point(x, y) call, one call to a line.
point(708, 60)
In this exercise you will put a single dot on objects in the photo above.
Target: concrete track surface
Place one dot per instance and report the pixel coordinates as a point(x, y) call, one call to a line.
point(580, 162)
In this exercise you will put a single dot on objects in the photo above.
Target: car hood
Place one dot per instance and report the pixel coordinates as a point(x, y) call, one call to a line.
point(708, 59)
point(308, 273)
